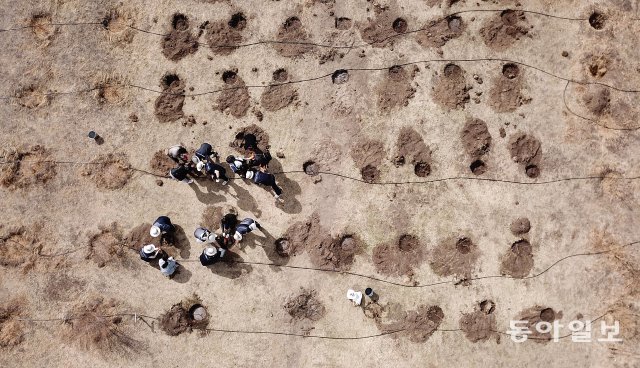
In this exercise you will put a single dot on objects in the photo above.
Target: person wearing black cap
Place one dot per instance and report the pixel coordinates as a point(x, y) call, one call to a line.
point(228, 223)
point(215, 171)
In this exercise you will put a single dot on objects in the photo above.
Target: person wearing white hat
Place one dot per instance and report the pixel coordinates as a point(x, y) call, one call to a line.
point(168, 265)
point(161, 226)
point(211, 255)
point(204, 235)
point(245, 227)
point(238, 165)
point(149, 252)
point(264, 178)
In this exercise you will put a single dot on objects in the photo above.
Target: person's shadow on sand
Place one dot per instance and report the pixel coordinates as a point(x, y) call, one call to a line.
point(290, 189)
point(262, 238)
point(230, 266)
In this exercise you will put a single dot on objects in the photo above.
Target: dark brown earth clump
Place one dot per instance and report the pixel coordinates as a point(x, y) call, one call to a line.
point(476, 138)
point(180, 317)
point(11, 328)
point(109, 171)
point(451, 90)
point(161, 164)
point(438, 32)
point(506, 94)
point(368, 155)
point(503, 31)
point(455, 257)
point(292, 31)
point(379, 31)
point(223, 36)
point(418, 324)
point(27, 166)
point(261, 136)
point(211, 217)
point(179, 42)
point(480, 325)
point(305, 305)
point(19, 246)
point(598, 100)
point(537, 314)
point(520, 226)
point(325, 251)
point(95, 325)
point(108, 247)
point(526, 150)
point(413, 150)
point(400, 257)
point(168, 106)
point(396, 89)
point(234, 98)
point(343, 23)
point(279, 94)
point(518, 261)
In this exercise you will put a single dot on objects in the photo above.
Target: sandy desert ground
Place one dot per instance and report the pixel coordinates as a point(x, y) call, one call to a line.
point(474, 162)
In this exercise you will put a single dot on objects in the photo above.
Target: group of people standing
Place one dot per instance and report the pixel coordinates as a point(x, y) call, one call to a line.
point(231, 231)
point(205, 161)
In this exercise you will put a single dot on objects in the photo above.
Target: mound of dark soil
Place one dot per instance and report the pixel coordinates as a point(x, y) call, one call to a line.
point(399, 258)
point(108, 246)
point(179, 42)
point(480, 325)
point(506, 94)
point(223, 36)
point(380, 31)
point(278, 95)
point(396, 89)
point(234, 98)
point(525, 148)
point(161, 164)
point(305, 305)
point(503, 31)
point(518, 261)
point(476, 138)
point(368, 155)
point(455, 257)
point(533, 316)
point(180, 317)
point(418, 324)
point(450, 88)
point(520, 226)
point(262, 138)
point(109, 171)
point(290, 33)
point(168, 106)
point(26, 167)
point(438, 32)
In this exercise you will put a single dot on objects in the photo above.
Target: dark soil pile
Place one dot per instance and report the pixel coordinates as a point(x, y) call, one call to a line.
point(598, 100)
point(11, 329)
point(262, 138)
point(450, 88)
point(108, 246)
point(234, 98)
point(179, 42)
point(223, 36)
point(368, 155)
point(526, 150)
point(476, 138)
point(518, 261)
point(343, 23)
point(413, 150)
point(109, 171)
point(520, 226)
point(305, 305)
point(598, 64)
point(19, 247)
point(179, 319)
point(325, 251)
point(291, 32)
point(26, 167)
point(211, 217)
point(400, 257)
point(418, 324)
point(278, 95)
point(396, 89)
point(536, 314)
point(438, 32)
point(168, 106)
point(95, 325)
point(455, 257)
point(480, 325)
point(381, 30)
point(506, 94)
point(161, 164)
point(502, 31)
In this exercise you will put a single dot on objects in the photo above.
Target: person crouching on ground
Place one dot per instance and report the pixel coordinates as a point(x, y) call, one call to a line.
point(264, 178)
point(211, 255)
point(245, 227)
point(168, 265)
point(204, 235)
point(180, 174)
point(215, 171)
point(161, 226)
point(178, 154)
point(150, 253)
point(204, 154)
point(238, 165)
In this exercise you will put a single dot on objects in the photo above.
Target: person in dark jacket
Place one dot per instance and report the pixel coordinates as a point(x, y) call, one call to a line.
point(211, 255)
point(161, 226)
point(250, 142)
point(245, 227)
point(260, 159)
point(181, 173)
point(150, 252)
point(215, 171)
point(264, 178)
point(204, 154)
point(238, 165)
